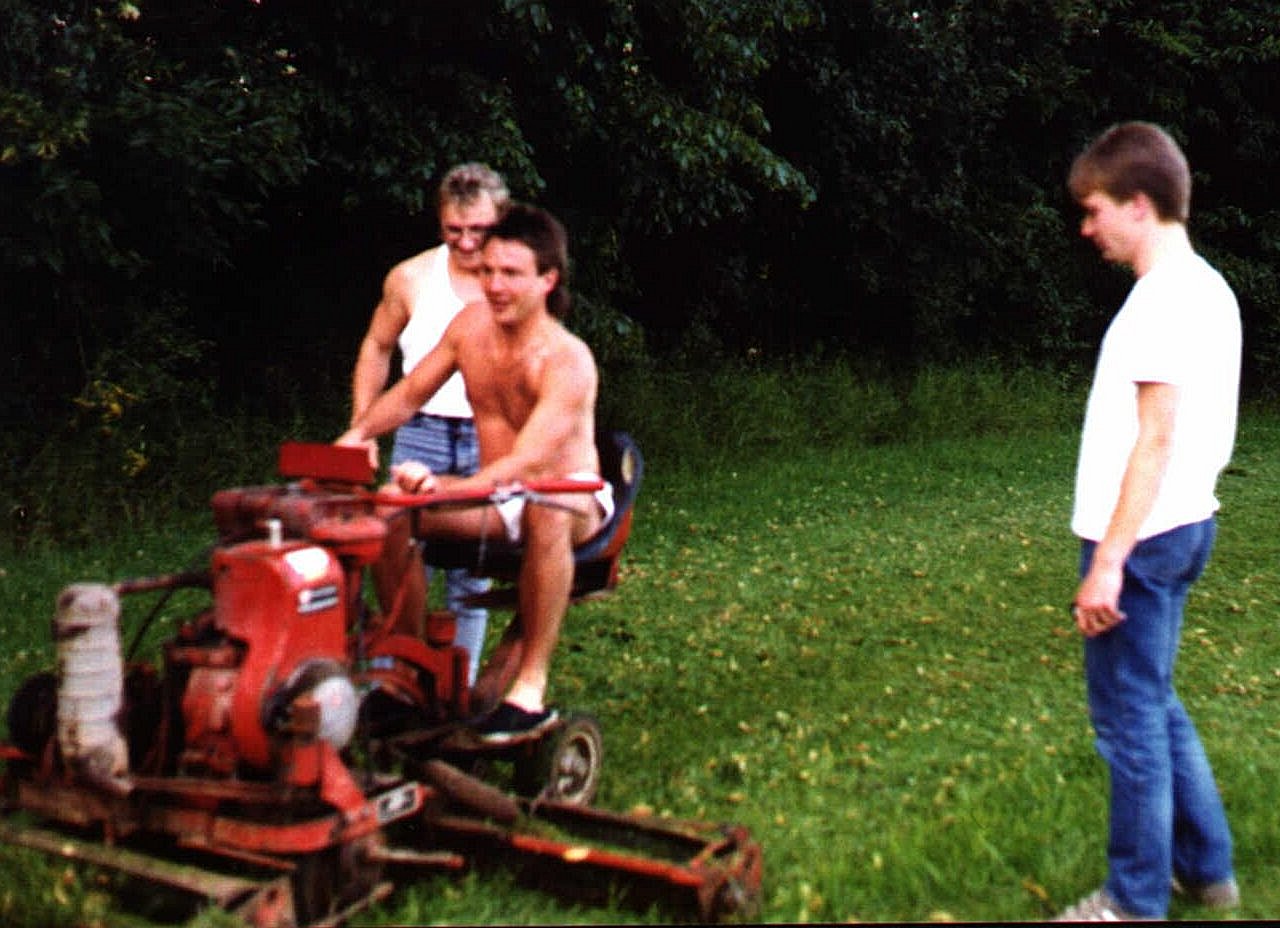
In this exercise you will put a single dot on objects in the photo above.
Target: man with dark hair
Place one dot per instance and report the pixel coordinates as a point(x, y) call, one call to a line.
point(420, 296)
point(542, 234)
point(1158, 429)
point(532, 386)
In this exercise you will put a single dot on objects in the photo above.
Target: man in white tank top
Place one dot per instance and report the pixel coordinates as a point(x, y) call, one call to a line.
point(420, 297)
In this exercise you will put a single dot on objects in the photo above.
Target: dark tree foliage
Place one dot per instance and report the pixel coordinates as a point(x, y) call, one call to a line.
point(939, 223)
point(938, 136)
point(198, 198)
point(131, 171)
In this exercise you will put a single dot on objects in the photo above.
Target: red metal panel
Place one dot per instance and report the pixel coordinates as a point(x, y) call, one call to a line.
point(324, 462)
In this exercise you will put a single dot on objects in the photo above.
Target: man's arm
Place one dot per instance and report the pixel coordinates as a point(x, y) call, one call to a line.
point(1097, 602)
point(373, 362)
point(396, 406)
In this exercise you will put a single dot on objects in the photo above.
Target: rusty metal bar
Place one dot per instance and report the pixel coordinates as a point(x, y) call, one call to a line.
point(252, 899)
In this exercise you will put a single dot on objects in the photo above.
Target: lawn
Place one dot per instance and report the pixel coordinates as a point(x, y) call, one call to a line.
point(861, 653)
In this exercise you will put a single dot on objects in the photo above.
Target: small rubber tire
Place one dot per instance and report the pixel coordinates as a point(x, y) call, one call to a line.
point(566, 763)
point(328, 881)
point(734, 902)
point(33, 713)
point(315, 885)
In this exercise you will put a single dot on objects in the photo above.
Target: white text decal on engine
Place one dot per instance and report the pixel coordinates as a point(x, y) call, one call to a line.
point(321, 597)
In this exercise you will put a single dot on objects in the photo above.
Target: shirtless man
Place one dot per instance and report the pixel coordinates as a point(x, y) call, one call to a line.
point(532, 387)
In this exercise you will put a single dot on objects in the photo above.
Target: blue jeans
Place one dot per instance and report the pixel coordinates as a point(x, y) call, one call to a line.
point(448, 446)
point(1167, 818)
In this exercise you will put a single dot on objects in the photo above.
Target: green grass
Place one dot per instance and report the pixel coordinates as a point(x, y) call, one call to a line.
point(863, 653)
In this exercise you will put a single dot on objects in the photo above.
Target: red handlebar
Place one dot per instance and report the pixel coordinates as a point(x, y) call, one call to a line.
point(315, 461)
point(493, 495)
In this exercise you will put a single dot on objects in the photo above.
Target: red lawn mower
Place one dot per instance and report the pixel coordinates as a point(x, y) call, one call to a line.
point(292, 757)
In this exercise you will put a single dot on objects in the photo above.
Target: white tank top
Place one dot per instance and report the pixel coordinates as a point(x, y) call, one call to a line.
point(434, 305)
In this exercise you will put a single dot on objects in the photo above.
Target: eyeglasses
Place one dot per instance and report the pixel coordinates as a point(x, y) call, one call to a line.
point(476, 231)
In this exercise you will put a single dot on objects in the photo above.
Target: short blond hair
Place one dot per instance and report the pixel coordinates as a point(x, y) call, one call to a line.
point(465, 183)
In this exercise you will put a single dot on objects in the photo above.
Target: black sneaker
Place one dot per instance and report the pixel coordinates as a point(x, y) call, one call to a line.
point(509, 723)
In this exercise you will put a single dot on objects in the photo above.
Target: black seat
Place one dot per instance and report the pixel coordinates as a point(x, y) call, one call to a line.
point(595, 560)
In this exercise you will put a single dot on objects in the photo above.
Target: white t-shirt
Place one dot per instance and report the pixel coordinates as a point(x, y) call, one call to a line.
point(1179, 325)
point(434, 305)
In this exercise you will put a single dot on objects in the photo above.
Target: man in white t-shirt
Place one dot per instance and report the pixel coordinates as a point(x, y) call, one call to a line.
point(1158, 429)
point(420, 297)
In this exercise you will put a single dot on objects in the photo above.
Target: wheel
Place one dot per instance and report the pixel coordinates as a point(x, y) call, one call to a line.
point(565, 764)
point(315, 883)
point(734, 902)
point(329, 881)
point(359, 868)
point(33, 713)
point(146, 729)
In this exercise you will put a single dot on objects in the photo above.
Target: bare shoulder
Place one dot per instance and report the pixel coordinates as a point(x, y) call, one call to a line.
point(571, 348)
point(566, 352)
point(468, 332)
point(568, 360)
point(399, 287)
point(474, 319)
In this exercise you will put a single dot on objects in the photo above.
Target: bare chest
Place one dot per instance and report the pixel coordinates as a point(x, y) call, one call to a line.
point(502, 384)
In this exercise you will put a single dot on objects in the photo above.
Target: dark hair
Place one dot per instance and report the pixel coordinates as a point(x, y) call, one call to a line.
point(546, 238)
point(1132, 158)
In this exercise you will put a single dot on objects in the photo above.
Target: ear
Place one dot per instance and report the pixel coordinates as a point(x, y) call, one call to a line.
point(1141, 207)
point(550, 277)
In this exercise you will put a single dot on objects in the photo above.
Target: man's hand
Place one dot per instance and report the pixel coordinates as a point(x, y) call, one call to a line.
point(414, 477)
point(1097, 604)
point(352, 439)
point(1096, 607)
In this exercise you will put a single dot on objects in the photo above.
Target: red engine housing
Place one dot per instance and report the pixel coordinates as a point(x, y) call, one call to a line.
point(281, 608)
point(253, 702)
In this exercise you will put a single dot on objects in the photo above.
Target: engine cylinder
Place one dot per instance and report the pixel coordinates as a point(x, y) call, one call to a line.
point(91, 684)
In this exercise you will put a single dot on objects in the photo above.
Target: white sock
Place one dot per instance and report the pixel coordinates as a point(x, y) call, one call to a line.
point(526, 696)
